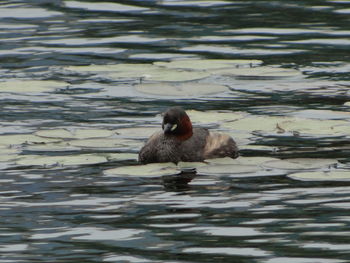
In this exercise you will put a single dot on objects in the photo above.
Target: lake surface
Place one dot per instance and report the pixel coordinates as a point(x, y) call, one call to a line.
point(59, 205)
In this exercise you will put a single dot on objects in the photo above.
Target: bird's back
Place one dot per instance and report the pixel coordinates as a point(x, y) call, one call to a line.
point(220, 145)
point(163, 148)
point(200, 146)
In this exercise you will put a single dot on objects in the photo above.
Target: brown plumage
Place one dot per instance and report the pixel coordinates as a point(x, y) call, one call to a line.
point(180, 142)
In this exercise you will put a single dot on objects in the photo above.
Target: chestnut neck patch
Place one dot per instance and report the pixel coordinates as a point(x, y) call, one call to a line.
point(185, 129)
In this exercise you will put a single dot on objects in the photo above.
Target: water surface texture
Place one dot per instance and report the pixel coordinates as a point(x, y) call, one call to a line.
point(63, 126)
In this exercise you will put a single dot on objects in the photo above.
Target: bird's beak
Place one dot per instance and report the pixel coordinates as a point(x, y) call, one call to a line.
point(168, 127)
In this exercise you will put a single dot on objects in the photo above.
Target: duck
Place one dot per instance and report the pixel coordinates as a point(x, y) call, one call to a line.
point(179, 141)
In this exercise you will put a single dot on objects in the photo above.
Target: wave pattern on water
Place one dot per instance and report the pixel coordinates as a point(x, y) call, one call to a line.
point(57, 203)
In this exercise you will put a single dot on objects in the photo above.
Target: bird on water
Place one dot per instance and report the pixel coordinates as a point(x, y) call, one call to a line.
point(180, 142)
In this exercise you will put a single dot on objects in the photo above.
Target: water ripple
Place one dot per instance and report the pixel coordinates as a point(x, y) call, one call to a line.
point(57, 208)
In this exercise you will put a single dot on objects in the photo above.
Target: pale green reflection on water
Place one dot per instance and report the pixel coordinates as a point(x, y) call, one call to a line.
point(83, 84)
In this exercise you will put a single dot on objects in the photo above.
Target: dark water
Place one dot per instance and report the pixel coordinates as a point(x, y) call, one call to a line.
point(76, 214)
